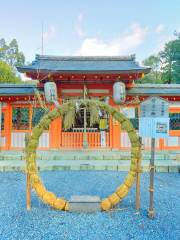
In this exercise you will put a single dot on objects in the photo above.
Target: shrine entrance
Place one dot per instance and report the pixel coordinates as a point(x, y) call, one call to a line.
point(85, 135)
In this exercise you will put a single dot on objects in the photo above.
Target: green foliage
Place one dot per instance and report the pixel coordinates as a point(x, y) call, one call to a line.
point(154, 76)
point(40, 100)
point(7, 74)
point(152, 61)
point(70, 110)
point(69, 117)
point(10, 58)
point(170, 58)
point(165, 65)
point(94, 113)
point(10, 53)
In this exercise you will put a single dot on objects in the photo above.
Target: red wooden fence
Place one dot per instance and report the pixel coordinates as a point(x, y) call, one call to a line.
point(75, 139)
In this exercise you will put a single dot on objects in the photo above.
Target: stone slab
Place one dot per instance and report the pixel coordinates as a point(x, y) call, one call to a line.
point(161, 168)
point(84, 203)
point(174, 168)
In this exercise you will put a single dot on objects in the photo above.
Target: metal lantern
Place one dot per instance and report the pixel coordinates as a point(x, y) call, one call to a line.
point(50, 91)
point(119, 92)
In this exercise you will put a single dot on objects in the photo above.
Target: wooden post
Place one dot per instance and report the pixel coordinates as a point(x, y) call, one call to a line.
point(28, 192)
point(151, 212)
point(28, 183)
point(138, 171)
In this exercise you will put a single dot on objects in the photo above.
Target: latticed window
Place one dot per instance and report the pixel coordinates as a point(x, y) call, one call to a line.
point(174, 121)
point(2, 121)
point(38, 113)
point(135, 120)
point(20, 118)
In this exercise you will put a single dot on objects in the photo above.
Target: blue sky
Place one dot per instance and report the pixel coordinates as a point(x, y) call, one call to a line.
point(90, 27)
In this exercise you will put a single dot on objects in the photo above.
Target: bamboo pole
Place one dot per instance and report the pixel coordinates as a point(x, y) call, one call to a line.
point(28, 184)
point(151, 212)
point(138, 172)
point(28, 192)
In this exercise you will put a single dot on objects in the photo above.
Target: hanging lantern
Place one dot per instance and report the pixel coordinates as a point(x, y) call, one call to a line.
point(50, 92)
point(119, 92)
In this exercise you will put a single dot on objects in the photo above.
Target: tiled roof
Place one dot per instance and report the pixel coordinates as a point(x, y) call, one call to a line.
point(137, 90)
point(84, 64)
point(155, 90)
point(17, 89)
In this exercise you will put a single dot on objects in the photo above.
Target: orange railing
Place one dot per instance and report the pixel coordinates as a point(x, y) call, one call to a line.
point(75, 139)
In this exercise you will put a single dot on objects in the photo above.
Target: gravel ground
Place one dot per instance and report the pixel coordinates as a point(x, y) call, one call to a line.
point(122, 223)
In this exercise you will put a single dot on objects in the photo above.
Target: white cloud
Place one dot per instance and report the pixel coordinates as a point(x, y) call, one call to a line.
point(160, 28)
point(123, 44)
point(78, 25)
point(50, 33)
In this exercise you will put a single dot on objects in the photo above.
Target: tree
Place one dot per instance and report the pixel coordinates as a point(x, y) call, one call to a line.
point(170, 58)
point(165, 65)
point(153, 62)
point(154, 76)
point(7, 74)
point(3, 48)
point(11, 54)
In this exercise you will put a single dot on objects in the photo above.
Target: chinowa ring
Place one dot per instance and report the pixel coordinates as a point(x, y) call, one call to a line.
point(31, 166)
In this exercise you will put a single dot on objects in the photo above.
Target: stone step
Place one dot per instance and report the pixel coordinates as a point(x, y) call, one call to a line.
point(69, 155)
point(96, 165)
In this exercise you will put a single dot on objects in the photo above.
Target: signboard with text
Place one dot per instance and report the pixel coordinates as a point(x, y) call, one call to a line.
point(154, 118)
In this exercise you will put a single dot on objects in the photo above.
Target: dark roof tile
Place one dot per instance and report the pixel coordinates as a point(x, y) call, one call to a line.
point(84, 64)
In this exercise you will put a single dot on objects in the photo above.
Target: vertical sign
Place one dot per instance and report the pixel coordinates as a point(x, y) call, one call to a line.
point(154, 123)
point(154, 118)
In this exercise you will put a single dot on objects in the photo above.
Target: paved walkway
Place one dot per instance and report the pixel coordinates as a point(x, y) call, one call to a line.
point(123, 222)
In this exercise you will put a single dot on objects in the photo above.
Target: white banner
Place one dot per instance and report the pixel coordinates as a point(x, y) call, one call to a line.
point(103, 138)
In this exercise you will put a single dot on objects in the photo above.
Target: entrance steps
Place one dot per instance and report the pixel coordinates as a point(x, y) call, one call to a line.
point(89, 165)
point(88, 160)
point(88, 155)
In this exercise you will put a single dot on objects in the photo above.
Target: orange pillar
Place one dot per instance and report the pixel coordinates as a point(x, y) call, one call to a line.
point(115, 130)
point(116, 134)
point(55, 133)
point(161, 144)
point(110, 132)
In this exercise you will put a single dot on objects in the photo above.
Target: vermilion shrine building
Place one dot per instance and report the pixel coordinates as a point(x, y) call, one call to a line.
point(75, 76)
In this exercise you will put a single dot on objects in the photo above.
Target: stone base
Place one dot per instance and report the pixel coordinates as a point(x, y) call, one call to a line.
point(84, 204)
